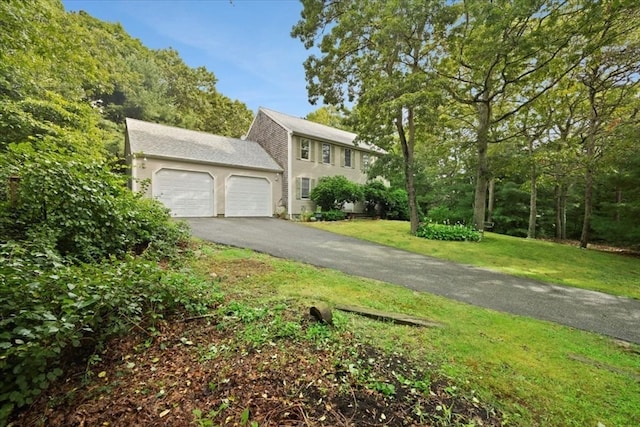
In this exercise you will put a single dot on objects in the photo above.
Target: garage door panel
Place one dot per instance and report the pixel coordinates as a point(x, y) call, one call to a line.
point(185, 193)
point(248, 196)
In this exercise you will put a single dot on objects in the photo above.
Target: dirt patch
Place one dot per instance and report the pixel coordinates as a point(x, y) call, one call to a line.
point(233, 271)
point(267, 367)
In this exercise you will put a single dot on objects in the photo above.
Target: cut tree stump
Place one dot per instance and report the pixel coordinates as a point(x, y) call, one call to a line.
point(398, 318)
point(322, 313)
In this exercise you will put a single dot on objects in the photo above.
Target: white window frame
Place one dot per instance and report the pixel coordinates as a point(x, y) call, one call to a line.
point(326, 160)
point(304, 180)
point(303, 143)
point(348, 154)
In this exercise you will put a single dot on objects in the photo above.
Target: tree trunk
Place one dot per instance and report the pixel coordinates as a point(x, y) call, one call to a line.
point(588, 206)
point(482, 175)
point(563, 212)
point(407, 143)
point(558, 209)
point(492, 199)
point(533, 197)
point(533, 211)
point(590, 149)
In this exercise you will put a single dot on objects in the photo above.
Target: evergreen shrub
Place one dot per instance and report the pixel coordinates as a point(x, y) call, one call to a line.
point(333, 215)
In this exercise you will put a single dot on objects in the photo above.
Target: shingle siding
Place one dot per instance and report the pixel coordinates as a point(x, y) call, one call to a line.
point(275, 140)
point(280, 135)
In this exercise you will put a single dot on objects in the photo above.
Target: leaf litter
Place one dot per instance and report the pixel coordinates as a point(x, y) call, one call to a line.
point(252, 366)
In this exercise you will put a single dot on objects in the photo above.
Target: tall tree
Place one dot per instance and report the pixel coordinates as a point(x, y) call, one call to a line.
point(376, 53)
point(329, 115)
point(610, 77)
point(496, 48)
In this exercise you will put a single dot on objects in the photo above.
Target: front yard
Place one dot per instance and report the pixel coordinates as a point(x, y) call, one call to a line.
point(259, 360)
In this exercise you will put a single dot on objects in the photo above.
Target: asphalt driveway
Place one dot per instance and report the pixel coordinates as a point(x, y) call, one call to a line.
point(614, 316)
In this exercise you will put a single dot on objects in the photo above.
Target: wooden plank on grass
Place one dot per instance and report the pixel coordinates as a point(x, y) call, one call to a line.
point(601, 365)
point(399, 318)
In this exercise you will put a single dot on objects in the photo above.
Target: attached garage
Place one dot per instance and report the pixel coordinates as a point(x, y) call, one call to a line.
point(197, 174)
point(184, 193)
point(248, 196)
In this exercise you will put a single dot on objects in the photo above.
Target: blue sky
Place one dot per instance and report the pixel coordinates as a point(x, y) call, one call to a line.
point(245, 43)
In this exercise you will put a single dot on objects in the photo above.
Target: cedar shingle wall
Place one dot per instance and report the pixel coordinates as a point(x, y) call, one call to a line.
point(273, 138)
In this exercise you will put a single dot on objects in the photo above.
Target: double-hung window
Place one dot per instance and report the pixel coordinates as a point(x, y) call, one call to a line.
point(326, 153)
point(348, 158)
point(305, 149)
point(305, 188)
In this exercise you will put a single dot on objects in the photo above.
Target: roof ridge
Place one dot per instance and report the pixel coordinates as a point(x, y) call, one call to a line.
point(305, 120)
point(178, 128)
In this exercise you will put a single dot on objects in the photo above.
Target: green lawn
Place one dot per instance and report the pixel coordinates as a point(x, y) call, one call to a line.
point(537, 373)
point(535, 259)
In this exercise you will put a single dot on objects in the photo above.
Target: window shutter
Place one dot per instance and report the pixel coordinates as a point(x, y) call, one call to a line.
point(312, 184)
point(342, 154)
point(298, 188)
point(299, 149)
point(333, 154)
point(312, 151)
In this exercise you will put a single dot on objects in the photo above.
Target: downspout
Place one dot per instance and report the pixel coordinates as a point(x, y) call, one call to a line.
point(290, 194)
point(133, 185)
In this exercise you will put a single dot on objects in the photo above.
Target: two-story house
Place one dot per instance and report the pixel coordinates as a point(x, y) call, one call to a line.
point(308, 151)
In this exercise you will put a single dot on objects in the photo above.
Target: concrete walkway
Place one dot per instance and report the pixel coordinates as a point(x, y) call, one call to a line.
point(617, 317)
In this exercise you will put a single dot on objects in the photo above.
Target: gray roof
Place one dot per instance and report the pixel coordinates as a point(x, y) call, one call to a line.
point(163, 141)
point(304, 127)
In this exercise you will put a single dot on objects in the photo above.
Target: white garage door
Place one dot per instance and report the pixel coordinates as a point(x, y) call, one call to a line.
point(248, 196)
point(185, 193)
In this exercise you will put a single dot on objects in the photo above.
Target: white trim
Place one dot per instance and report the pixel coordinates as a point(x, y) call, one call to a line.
point(208, 163)
point(134, 174)
point(290, 194)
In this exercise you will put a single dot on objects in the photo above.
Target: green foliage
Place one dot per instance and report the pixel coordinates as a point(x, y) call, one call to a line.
point(375, 196)
point(53, 62)
point(81, 209)
point(51, 312)
point(386, 202)
point(332, 192)
point(333, 215)
point(50, 121)
point(398, 205)
point(443, 214)
point(330, 116)
point(511, 214)
point(447, 232)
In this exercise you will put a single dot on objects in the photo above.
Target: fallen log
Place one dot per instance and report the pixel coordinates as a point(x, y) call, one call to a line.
point(398, 318)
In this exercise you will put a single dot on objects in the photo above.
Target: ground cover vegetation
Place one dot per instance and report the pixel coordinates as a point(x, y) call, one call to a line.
point(257, 358)
point(520, 114)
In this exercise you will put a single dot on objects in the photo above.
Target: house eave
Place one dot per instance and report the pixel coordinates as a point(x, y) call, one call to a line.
point(139, 155)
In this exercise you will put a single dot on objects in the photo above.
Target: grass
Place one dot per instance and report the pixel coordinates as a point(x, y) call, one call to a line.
point(537, 373)
point(534, 259)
